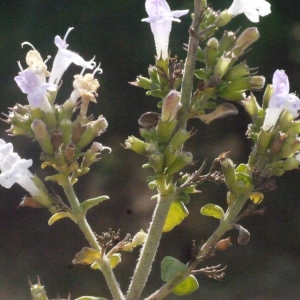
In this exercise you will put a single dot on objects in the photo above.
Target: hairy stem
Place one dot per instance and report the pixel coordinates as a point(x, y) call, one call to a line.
point(150, 247)
point(91, 238)
point(189, 68)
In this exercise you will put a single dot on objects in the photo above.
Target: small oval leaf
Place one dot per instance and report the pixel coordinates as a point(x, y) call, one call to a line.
point(212, 210)
point(89, 203)
point(175, 215)
point(187, 286)
point(170, 267)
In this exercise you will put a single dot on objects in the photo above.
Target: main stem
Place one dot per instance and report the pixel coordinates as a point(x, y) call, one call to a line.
point(150, 247)
point(90, 236)
point(189, 68)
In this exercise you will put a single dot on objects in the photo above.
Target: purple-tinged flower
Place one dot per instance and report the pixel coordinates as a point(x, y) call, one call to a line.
point(14, 169)
point(280, 100)
point(64, 58)
point(36, 90)
point(251, 8)
point(160, 19)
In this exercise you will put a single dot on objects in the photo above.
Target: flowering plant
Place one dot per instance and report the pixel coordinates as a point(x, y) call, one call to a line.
point(66, 134)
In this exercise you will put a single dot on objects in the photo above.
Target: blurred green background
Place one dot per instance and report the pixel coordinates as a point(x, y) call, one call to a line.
point(266, 268)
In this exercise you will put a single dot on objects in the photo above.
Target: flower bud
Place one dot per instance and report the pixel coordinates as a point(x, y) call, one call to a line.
point(292, 163)
point(228, 170)
point(156, 161)
point(246, 38)
point(182, 160)
point(223, 19)
point(94, 128)
point(142, 82)
point(222, 66)
point(171, 106)
point(42, 136)
point(252, 83)
point(211, 52)
point(227, 42)
point(223, 244)
point(238, 71)
point(136, 145)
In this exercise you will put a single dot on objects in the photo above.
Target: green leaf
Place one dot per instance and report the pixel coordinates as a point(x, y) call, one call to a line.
point(89, 203)
point(175, 216)
point(187, 286)
point(212, 210)
point(170, 267)
point(61, 215)
point(183, 197)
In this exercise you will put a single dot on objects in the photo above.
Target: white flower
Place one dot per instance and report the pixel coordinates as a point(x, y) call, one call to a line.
point(14, 169)
point(160, 19)
point(280, 100)
point(64, 58)
point(251, 8)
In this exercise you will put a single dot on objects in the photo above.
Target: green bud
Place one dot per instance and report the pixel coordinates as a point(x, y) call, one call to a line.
point(252, 107)
point(242, 183)
point(182, 160)
point(153, 75)
point(252, 83)
point(165, 130)
point(211, 52)
point(66, 110)
point(227, 42)
point(267, 96)
point(156, 93)
point(291, 163)
point(203, 74)
point(142, 82)
point(263, 142)
point(156, 161)
point(94, 128)
point(42, 136)
point(246, 38)
point(228, 170)
point(290, 147)
point(136, 145)
point(200, 56)
point(222, 66)
point(238, 71)
point(232, 95)
point(223, 19)
point(163, 71)
point(66, 129)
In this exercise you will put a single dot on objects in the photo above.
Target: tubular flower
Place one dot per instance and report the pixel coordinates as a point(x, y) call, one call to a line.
point(252, 9)
point(64, 58)
point(14, 169)
point(32, 81)
point(160, 19)
point(280, 100)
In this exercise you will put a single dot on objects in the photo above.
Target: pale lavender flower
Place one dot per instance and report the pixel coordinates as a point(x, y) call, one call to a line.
point(280, 100)
point(14, 169)
point(251, 8)
point(36, 90)
point(64, 58)
point(160, 19)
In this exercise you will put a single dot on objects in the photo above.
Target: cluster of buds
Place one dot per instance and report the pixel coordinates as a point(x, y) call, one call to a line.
point(222, 76)
point(60, 135)
point(163, 145)
point(274, 129)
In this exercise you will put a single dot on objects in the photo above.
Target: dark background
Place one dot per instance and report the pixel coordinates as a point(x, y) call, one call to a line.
point(266, 268)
